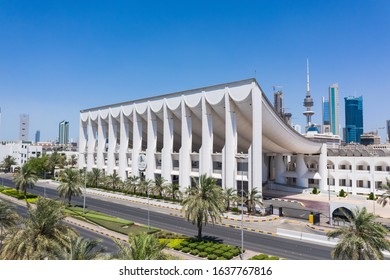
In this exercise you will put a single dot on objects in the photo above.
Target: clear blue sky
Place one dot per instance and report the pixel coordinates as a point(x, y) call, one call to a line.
point(58, 57)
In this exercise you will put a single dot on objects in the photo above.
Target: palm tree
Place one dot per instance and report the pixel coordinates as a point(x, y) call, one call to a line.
point(113, 180)
point(140, 247)
point(385, 197)
point(254, 198)
point(173, 190)
point(8, 162)
point(362, 239)
point(204, 202)
point(230, 195)
point(94, 176)
point(145, 185)
point(84, 249)
point(70, 184)
point(8, 218)
point(131, 184)
point(43, 236)
point(72, 161)
point(159, 186)
point(25, 177)
point(56, 160)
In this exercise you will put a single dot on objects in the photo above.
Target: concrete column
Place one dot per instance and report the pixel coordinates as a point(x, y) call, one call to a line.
point(257, 139)
point(280, 169)
point(166, 152)
point(353, 176)
point(151, 145)
point(205, 158)
point(124, 143)
point(137, 142)
point(322, 168)
point(82, 144)
point(229, 178)
point(335, 174)
point(186, 145)
point(112, 131)
point(102, 134)
point(249, 168)
point(91, 145)
point(301, 171)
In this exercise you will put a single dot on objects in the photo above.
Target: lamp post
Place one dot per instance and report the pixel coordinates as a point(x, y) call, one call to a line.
point(329, 166)
point(241, 156)
point(85, 188)
point(142, 164)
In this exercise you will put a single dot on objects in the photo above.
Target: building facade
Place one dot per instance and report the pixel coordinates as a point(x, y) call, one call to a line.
point(24, 124)
point(63, 132)
point(229, 131)
point(37, 136)
point(387, 131)
point(353, 119)
point(334, 109)
point(21, 151)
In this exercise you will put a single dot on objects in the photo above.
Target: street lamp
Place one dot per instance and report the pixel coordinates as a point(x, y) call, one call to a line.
point(85, 187)
point(241, 156)
point(141, 168)
point(329, 166)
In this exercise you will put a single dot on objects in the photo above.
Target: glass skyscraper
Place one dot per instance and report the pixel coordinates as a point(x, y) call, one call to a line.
point(63, 137)
point(334, 108)
point(353, 119)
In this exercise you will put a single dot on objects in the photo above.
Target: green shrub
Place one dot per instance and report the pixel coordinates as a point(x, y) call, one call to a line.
point(216, 246)
point(222, 259)
point(235, 210)
point(201, 248)
point(194, 252)
point(227, 255)
point(342, 193)
point(371, 196)
point(225, 248)
point(219, 252)
point(273, 258)
point(186, 249)
point(235, 251)
point(192, 245)
point(209, 250)
point(212, 257)
point(185, 243)
point(202, 254)
point(315, 190)
point(260, 257)
point(178, 247)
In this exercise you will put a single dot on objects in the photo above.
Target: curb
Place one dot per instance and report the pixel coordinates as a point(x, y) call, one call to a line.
point(288, 200)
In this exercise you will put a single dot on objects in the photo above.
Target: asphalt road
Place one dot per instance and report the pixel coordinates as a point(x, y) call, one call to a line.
point(282, 247)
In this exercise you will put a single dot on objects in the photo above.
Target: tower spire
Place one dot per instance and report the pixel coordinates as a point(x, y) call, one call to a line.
point(307, 78)
point(308, 101)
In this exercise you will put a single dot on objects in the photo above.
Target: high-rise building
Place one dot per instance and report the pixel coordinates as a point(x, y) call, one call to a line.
point(37, 136)
point(278, 102)
point(334, 109)
point(387, 131)
point(325, 116)
point(353, 119)
point(308, 101)
point(63, 136)
point(24, 123)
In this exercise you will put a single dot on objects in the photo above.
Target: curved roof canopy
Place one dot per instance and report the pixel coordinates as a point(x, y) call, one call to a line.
point(277, 135)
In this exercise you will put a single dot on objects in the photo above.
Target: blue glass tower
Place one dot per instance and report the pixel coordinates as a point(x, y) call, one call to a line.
point(353, 119)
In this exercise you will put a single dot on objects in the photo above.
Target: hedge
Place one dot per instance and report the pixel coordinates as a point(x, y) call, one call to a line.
point(212, 257)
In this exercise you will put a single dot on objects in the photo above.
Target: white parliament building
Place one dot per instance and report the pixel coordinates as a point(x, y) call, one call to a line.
point(228, 131)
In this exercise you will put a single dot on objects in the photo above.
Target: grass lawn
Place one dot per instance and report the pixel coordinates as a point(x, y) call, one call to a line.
point(109, 222)
point(19, 195)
